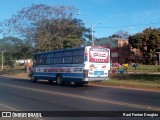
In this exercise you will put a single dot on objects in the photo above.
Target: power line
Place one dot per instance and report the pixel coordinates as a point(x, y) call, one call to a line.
point(136, 25)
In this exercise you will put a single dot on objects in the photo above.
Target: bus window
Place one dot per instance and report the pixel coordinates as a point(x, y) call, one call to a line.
point(36, 60)
point(78, 52)
point(67, 57)
point(58, 59)
point(78, 56)
point(68, 53)
point(43, 59)
point(58, 54)
point(50, 58)
point(51, 55)
point(78, 59)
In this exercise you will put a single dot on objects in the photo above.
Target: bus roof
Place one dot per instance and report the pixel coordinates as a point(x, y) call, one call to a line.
point(68, 49)
point(60, 50)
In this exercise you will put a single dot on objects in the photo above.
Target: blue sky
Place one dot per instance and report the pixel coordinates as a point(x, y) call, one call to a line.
point(113, 14)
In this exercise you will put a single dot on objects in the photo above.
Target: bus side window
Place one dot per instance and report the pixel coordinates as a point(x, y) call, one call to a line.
point(58, 59)
point(43, 59)
point(67, 57)
point(78, 56)
point(50, 59)
point(36, 60)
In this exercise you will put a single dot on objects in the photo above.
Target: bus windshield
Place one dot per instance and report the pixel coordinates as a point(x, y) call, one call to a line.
point(99, 55)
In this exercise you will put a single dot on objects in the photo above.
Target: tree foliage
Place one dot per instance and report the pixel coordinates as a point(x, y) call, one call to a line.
point(121, 34)
point(15, 48)
point(60, 34)
point(48, 27)
point(147, 43)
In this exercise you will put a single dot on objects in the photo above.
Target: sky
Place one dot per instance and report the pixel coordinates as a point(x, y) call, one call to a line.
point(132, 16)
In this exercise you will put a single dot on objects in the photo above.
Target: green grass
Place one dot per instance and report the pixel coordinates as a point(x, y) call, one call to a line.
point(137, 77)
point(143, 73)
point(146, 81)
point(133, 84)
point(143, 68)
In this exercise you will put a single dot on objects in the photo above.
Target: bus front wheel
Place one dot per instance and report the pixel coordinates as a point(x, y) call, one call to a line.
point(60, 80)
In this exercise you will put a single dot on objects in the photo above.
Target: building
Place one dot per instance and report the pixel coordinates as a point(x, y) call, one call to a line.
point(119, 48)
point(22, 61)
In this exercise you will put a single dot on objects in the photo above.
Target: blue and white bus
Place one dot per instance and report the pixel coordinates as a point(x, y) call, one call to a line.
point(78, 65)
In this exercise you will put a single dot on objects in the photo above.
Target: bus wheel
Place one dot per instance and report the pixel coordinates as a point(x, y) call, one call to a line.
point(60, 80)
point(33, 79)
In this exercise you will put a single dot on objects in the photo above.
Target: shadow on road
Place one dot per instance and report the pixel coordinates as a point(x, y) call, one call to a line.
point(44, 82)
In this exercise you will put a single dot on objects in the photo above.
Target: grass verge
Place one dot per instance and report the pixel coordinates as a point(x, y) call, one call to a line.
point(144, 81)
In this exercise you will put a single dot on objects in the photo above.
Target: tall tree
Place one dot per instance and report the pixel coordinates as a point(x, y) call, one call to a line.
point(121, 34)
point(147, 42)
point(47, 27)
point(60, 34)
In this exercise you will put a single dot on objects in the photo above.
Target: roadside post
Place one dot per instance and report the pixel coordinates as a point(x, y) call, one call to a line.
point(125, 67)
point(135, 66)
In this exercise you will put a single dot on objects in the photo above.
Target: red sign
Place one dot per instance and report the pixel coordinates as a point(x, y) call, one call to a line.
point(98, 55)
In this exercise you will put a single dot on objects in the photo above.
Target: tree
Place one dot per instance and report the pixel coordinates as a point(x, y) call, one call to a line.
point(121, 34)
point(48, 27)
point(60, 34)
point(147, 43)
point(15, 48)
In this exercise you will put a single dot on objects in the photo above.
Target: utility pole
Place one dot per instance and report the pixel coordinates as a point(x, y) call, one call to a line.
point(92, 28)
point(2, 60)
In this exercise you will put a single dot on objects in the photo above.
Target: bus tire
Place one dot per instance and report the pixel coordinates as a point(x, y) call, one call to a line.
point(33, 79)
point(59, 80)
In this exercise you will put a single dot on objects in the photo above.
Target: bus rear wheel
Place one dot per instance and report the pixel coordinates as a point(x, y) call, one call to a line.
point(59, 80)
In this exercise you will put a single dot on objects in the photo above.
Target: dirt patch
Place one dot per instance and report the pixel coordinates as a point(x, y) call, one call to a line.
point(21, 75)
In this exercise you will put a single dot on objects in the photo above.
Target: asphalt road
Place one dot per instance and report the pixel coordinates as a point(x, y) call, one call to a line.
point(22, 95)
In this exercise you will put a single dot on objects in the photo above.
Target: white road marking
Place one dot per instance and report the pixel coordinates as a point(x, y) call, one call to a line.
point(11, 108)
